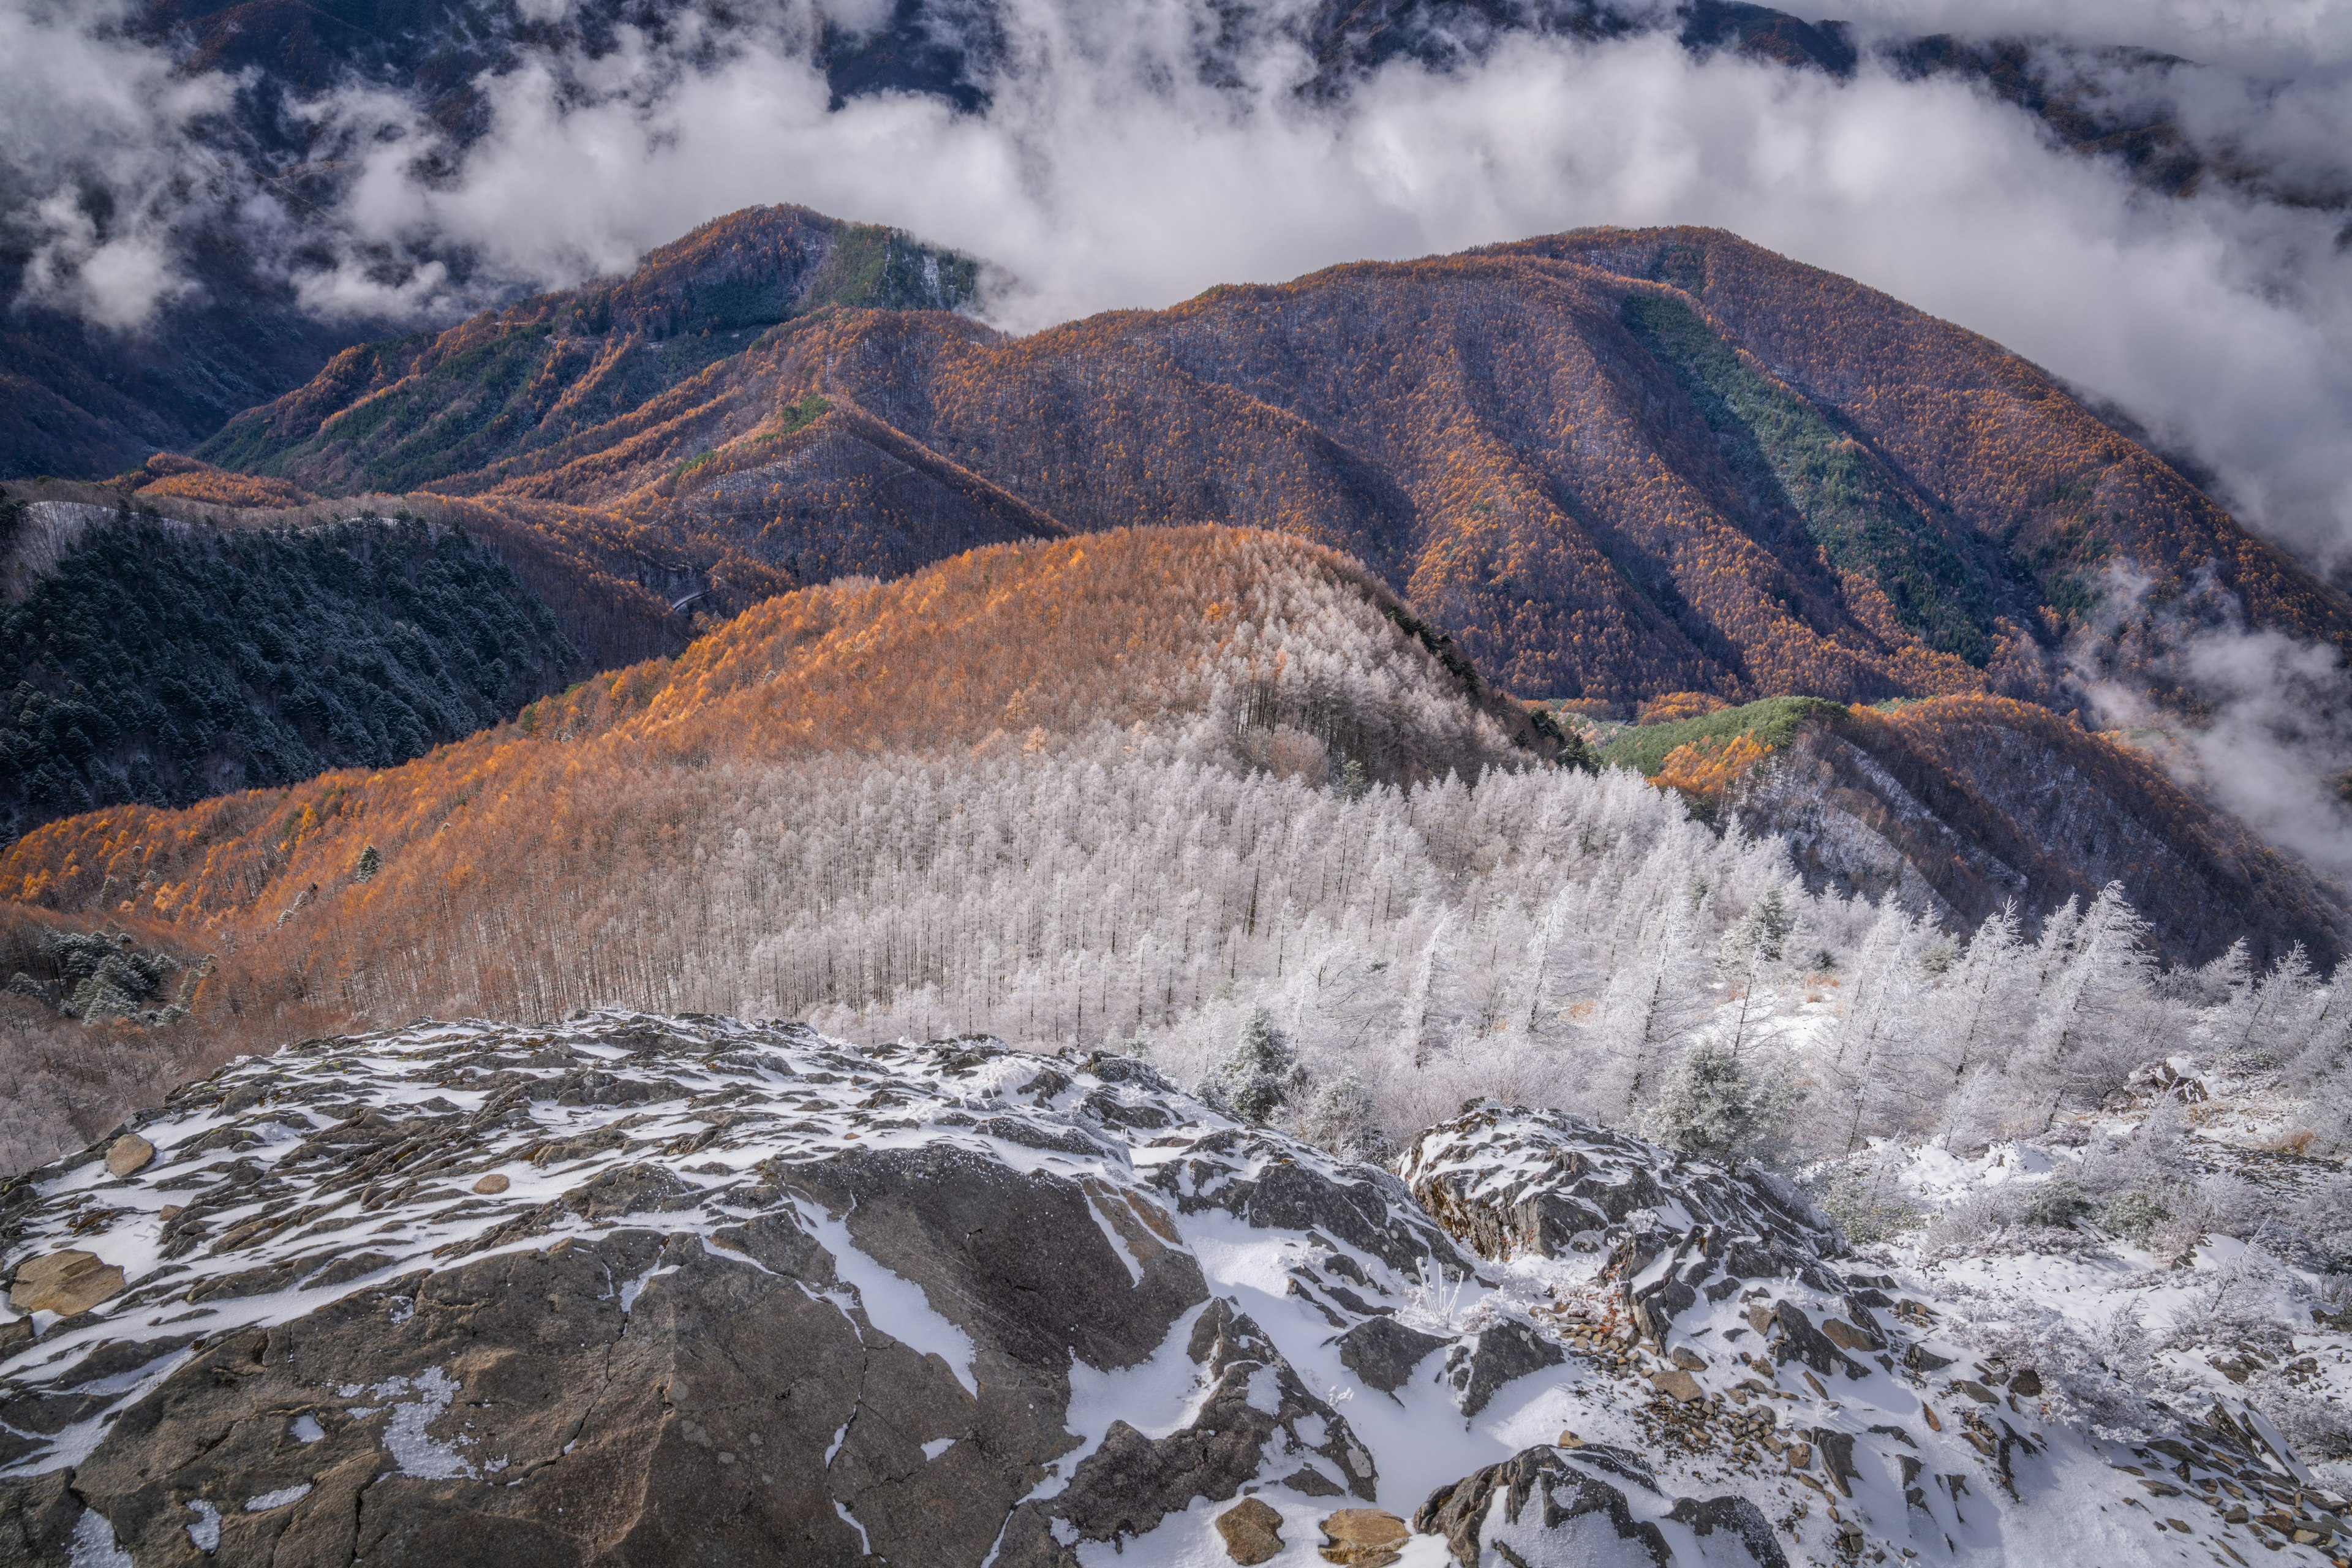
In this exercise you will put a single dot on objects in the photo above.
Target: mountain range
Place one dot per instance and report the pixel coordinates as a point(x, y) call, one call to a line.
point(281, 165)
point(1602, 467)
point(1613, 464)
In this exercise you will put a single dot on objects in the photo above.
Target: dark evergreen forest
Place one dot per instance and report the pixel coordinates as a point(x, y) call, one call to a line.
point(163, 663)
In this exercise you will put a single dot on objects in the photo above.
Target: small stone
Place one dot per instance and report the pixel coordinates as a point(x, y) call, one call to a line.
point(1364, 1538)
point(1253, 1530)
point(2237, 1514)
point(65, 1283)
point(2026, 1384)
point(171, 1211)
point(127, 1154)
point(1975, 1391)
point(494, 1182)
point(1800, 1456)
point(1678, 1385)
point(1688, 1358)
point(1570, 1440)
point(1927, 1413)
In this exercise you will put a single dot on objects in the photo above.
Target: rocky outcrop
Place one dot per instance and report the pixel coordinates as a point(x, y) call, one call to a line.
point(1591, 1505)
point(676, 1291)
point(1510, 1180)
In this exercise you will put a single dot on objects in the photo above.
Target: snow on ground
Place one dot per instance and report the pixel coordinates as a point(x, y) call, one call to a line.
point(1996, 1392)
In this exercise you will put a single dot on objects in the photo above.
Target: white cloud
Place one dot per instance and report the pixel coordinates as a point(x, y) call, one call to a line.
point(1108, 174)
point(100, 172)
point(1111, 169)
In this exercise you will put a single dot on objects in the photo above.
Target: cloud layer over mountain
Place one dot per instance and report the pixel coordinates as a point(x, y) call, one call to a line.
point(1134, 159)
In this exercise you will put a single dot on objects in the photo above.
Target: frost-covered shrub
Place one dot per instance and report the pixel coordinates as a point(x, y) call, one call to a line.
point(2016, 1217)
point(2230, 1310)
point(1865, 1200)
point(2057, 1203)
point(2095, 1377)
point(2316, 1231)
point(2135, 1214)
point(1343, 1118)
point(2233, 1205)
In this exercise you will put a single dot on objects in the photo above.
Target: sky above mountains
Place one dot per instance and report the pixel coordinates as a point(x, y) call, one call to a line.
point(1134, 155)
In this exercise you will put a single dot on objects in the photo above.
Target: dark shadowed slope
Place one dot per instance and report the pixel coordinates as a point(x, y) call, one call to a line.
point(1958, 806)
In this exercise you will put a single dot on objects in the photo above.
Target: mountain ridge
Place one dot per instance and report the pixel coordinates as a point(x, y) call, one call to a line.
point(1606, 483)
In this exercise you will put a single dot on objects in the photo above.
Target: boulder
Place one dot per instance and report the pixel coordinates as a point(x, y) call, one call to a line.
point(64, 1282)
point(1383, 1353)
point(1364, 1538)
point(1508, 1181)
point(1252, 1532)
point(127, 1154)
point(1676, 1384)
point(1596, 1506)
point(776, 1301)
point(1481, 1364)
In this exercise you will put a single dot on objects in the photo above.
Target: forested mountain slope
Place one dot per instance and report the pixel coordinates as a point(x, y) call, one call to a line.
point(1080, 789)
point(1958, 806)
point(1612, 463)
point(150, 659)
point(1244, 650)
point(189, 632)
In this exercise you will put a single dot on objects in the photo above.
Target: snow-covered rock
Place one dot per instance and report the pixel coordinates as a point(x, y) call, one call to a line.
point(1511, 1181)
point(1775, 1357)
point(688, 1290)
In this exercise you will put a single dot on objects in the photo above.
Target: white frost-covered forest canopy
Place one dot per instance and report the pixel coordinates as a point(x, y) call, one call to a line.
point(1544, 936)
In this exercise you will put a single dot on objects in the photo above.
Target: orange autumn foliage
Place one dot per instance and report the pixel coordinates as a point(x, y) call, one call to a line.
point(1705, 769)
point(1482, 430)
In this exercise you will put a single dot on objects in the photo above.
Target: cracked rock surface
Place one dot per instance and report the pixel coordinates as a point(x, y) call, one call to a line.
point(746, 1295)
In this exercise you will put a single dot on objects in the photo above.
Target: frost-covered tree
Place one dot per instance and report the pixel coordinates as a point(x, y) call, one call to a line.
point(1255, 1080)
point(1715, 1105)
point(1343, 1118)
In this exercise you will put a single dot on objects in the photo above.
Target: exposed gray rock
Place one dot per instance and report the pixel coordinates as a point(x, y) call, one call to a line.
point(1483, 1362)
point(1383, 1353)
point(746, 1296)
point(1510, 1180)
point(1591, 1505)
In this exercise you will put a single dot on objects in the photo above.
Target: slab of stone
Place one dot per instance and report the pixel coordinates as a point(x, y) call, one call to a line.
point(1364, 1538)
point(64, 1282)
point(127, 1154)
point(1252, 1529)
point(1847, 1337)
point(1677, 1383)
point(1383, 1353)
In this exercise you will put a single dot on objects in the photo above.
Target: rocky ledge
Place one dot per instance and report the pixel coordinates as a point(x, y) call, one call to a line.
point(677, 1290)
point(692, 1290)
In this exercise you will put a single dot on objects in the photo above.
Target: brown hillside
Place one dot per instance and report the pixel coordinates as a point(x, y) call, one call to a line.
point(1300, 657)
point(1980, 802)
point(1615, 464)
point(515, 867)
